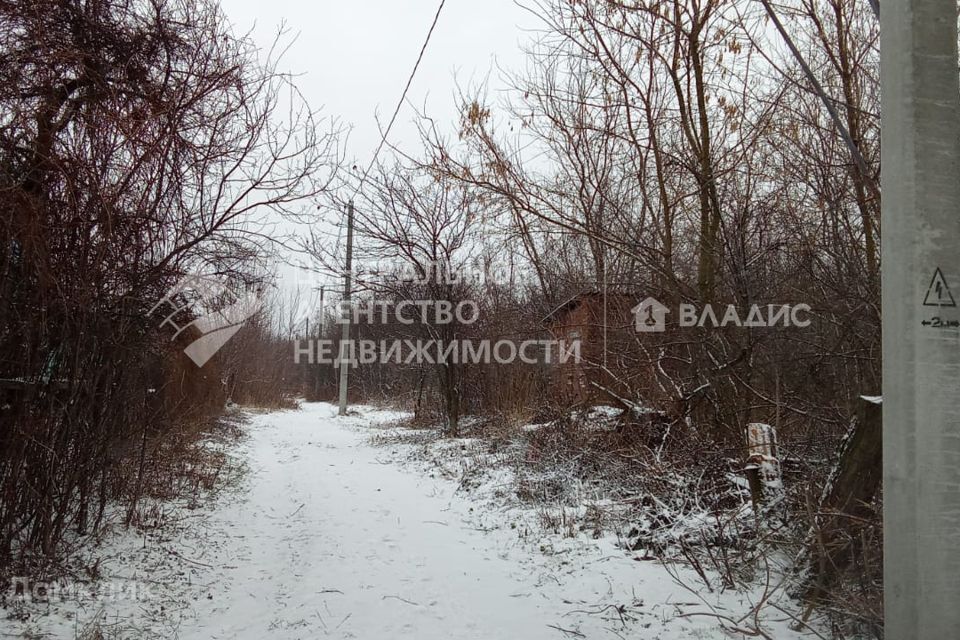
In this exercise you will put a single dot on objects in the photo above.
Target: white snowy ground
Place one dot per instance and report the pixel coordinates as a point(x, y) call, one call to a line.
point(327, 538)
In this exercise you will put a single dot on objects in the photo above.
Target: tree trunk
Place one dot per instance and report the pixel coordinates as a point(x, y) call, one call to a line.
point(846, 499)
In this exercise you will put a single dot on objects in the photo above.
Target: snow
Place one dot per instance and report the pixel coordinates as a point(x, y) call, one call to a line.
point(329, 537)
point(603, 411)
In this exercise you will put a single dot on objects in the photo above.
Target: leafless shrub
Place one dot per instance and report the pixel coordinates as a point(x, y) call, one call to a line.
point(139, 140)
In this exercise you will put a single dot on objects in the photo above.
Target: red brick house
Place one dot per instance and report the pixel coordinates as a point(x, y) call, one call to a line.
point(594, 321)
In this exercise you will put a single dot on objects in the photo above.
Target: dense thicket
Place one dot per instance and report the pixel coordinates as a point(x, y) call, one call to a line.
point(138, 142)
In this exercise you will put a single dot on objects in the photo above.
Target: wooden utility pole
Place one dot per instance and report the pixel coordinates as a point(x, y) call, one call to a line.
point(345, 310)
point(921, 322)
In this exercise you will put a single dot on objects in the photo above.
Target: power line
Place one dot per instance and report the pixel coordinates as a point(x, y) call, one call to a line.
point(403, 97)
point(828, 102)
point(393, 118)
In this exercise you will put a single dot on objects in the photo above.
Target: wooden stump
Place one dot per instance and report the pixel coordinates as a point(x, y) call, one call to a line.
point(846, 499)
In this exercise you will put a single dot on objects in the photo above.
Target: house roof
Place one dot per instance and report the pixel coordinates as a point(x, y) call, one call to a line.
point(575, 300)
point(563, 307)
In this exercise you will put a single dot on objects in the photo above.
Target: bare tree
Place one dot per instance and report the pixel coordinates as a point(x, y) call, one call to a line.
point(139, 139)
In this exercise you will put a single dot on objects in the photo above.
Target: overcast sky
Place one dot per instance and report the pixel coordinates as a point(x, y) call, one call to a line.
point(355, 56)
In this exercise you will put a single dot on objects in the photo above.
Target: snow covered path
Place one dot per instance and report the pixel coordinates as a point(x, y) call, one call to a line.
point(332, 541)
point(328, 538)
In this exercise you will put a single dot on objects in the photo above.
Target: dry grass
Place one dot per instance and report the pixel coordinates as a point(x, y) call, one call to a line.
point(661, 490)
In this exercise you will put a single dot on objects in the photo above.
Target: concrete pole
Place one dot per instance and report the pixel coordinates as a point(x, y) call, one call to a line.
point(345, 309)
point(921, 344)
point(323, 289)
point(320, 328)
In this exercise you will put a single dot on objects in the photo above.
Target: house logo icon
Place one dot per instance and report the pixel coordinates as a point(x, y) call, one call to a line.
point(216, 327)
point(650, 316)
